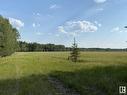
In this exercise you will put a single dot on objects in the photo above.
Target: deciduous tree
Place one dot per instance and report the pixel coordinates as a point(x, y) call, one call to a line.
point(8, 37)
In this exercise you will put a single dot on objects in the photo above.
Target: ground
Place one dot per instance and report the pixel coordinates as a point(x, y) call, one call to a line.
point(97, 73)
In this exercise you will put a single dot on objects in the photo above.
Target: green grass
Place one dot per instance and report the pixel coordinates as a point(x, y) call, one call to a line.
point(97, 73)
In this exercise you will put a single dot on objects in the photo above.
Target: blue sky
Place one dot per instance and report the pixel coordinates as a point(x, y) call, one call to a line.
point(94, 23)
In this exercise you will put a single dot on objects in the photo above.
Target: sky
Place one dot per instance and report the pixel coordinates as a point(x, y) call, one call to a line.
point(94, 23)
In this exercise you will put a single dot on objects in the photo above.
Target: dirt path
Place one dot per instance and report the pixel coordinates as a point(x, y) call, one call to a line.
point(60, 87)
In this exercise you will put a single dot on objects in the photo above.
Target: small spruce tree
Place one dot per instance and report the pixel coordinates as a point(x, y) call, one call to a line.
point(74, 55)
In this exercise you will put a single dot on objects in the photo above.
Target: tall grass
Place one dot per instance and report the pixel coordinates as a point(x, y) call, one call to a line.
point(97, 73)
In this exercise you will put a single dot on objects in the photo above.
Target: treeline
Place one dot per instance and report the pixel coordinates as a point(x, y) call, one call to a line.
point(8, 37)
point(29, 47)
point(102, 49)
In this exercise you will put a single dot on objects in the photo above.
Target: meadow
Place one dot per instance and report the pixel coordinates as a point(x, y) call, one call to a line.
point(96, 73)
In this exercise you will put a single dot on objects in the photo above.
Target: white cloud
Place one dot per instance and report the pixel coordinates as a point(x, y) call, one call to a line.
point(33, 24)
point(36, 14)
point(25, 40)
point(100, 1)
point(100, 9)
point(98, 24)
point(118, 29)
point(16, 23)
point(61, 29)
point(54, 6)
point(36, 25)
point(39, 33)
point(75, 27)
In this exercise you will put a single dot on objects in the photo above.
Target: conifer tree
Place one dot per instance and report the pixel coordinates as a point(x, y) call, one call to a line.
point(75, 52)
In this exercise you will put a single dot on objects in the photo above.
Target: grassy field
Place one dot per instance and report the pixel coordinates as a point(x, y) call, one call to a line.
point(97, 73)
